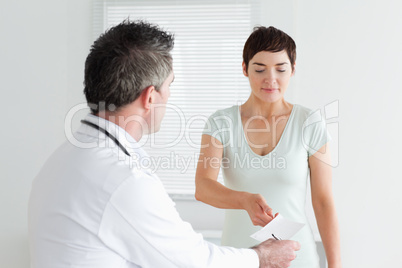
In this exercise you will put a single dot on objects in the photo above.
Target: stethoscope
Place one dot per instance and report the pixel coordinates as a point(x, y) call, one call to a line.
point(107, 134)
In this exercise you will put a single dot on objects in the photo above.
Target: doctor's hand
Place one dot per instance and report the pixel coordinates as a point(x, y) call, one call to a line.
point(276, 253)
point(257, 208)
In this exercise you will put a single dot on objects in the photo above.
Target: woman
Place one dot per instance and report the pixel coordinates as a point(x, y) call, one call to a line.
point(267, 148)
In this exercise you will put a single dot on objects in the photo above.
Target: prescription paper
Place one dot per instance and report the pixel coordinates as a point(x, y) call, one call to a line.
point(279, 227)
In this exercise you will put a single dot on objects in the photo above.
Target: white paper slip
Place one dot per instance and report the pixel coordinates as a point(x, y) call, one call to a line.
point(280, 228)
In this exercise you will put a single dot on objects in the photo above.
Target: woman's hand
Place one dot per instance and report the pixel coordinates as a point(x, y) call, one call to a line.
point(258, 210)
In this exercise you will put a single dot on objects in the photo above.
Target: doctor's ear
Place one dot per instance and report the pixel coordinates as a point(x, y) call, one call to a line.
point(147, 97)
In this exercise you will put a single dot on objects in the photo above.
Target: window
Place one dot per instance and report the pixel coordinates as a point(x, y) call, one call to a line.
point(209, 39)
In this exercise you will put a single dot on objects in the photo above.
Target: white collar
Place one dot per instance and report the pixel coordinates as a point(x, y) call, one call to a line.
point(123, 137)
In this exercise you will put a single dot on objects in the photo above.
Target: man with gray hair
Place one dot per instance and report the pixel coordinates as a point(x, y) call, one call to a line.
point(89, 207)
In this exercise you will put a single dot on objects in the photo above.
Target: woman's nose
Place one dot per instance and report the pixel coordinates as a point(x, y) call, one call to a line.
point(270, 78)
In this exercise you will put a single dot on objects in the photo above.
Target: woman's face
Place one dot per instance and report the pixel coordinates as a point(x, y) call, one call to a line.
point(269, 75)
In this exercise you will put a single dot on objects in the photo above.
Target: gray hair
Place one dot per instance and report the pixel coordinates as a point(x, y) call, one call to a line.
point(125, 60)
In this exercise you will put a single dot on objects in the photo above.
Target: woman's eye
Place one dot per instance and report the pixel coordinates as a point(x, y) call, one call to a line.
point(259, 71)
point(281, 71)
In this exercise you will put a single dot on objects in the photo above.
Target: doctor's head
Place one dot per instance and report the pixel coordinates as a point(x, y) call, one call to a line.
point(128, 62)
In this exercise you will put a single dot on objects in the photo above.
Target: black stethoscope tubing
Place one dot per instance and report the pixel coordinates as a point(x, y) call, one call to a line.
point(107, 134)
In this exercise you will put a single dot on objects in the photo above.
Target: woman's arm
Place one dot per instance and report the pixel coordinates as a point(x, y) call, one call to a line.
point(323, 204)
point(210, 191)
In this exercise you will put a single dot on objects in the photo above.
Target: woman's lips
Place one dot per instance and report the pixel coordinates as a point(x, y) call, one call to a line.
point(269, 89)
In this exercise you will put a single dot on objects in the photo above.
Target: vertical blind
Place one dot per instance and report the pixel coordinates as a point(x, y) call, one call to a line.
point(207, 57)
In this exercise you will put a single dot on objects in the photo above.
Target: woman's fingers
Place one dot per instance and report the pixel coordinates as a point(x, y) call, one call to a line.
point(269, 212)
point(266, 219)
point(259, 217)
point(259, 211)
point(267, 209)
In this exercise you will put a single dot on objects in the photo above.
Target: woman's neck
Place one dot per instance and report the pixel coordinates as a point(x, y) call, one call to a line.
point(254, 106)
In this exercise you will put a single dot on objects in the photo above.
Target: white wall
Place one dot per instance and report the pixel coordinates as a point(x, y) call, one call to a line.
point(348, 51)
point(43, 45)
point(351, 51)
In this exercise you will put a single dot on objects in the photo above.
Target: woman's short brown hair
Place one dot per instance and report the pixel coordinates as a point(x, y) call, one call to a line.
point(269, 39)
